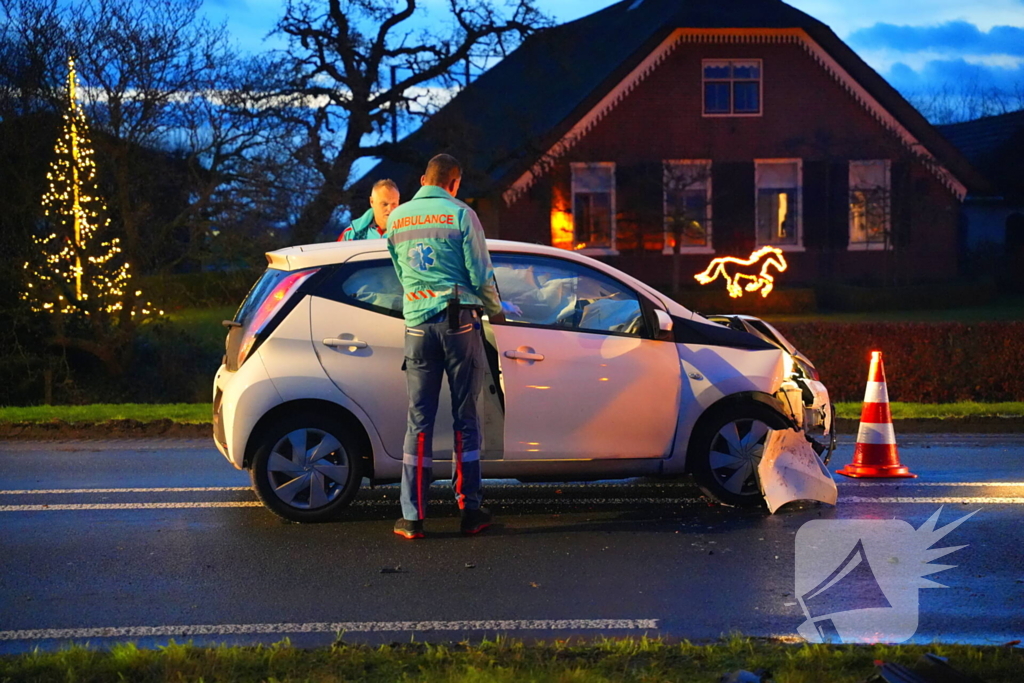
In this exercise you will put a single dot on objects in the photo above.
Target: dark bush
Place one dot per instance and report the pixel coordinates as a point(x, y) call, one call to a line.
point(199, 290)
point(909, 298)
point(924, 362)
point(778, 301)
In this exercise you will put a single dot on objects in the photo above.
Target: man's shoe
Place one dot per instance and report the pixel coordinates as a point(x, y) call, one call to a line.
point(409, 528)
point(475, 521)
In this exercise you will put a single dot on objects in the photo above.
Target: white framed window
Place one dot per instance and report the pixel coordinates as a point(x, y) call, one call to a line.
point(593, 207)
point(870, 204)
point(778, 187)
point(732, 87)
point(687, 206)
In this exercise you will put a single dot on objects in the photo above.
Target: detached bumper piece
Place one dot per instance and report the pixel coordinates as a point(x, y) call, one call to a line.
point(790, 470)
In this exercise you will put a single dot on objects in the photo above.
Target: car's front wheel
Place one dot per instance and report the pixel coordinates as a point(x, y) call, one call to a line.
point(728, 450)
point(306, 468)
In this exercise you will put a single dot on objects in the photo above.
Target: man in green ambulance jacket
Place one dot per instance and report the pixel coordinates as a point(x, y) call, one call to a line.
point(438, 248)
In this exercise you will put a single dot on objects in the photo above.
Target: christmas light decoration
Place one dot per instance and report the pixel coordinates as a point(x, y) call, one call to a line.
point(763, 280)
point(79, 272)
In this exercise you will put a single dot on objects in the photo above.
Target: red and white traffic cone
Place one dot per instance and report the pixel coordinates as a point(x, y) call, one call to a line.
point(876, 455)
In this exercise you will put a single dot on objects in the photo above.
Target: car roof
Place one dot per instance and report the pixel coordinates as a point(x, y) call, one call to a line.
point(331, 253)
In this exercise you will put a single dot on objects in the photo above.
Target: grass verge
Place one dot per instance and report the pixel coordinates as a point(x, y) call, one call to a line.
point(199, 413)
point(184, 413)
point(917, 411)
point(500, 661)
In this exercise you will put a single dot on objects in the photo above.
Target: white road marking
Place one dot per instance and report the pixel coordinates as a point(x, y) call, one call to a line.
point(509, 502)
point(332, 627)
point(492, 487)
point(129, 506)
point(565, 502)
point(184, 489)
point(951, 500)
point(904, 482)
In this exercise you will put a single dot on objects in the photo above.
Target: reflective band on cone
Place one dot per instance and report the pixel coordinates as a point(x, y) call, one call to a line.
point(876, 455)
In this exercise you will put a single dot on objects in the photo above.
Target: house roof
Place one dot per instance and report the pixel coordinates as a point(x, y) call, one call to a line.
point(983, 136)
point(988, 142)
point(511, 115)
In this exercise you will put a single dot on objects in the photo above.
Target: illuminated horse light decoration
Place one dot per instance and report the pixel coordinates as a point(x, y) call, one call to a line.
point(763, 280)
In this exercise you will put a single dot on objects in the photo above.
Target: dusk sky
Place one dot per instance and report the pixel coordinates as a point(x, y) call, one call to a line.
point(915, 44)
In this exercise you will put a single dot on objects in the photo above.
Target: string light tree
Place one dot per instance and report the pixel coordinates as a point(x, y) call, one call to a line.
point(80, 277)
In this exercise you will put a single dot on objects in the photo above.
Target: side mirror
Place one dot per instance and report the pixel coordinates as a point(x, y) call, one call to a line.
point(664, 323)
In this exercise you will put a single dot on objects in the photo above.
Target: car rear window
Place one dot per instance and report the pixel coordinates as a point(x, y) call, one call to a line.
point(367, 284)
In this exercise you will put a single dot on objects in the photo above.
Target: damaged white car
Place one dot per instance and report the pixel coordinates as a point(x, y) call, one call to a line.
point(598, 377)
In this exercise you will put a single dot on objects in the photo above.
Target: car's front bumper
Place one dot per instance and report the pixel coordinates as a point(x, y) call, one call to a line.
point(811, 410)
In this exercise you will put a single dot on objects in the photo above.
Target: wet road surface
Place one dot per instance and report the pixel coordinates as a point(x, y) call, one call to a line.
point(153, 540)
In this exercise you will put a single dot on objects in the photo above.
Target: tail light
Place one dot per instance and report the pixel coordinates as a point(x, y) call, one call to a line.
point(257, 314)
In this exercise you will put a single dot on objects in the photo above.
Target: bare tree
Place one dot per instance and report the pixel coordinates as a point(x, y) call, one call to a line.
point(965, 101)
point(354, 65)
point(172, 105)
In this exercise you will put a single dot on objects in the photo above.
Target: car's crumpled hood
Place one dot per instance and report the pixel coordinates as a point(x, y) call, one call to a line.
point(790, 470)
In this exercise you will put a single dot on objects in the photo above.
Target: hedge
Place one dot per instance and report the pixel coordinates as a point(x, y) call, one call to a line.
point(924, 362)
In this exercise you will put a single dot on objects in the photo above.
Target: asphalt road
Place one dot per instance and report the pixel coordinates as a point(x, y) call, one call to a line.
point(156, 540)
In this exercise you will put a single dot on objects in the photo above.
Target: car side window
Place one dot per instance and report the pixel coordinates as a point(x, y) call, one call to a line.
point(368, 284)
point(558, 293)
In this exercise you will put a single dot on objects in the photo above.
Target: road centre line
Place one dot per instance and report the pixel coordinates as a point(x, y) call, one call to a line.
point(950, 500)
point(931, 483)
point(183, 489)
point(332, 627)
point(510, 502)
point(567, 486)
point(358, 503)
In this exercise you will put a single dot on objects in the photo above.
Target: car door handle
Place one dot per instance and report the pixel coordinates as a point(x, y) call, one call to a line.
point(346, 343)
point(524, 355)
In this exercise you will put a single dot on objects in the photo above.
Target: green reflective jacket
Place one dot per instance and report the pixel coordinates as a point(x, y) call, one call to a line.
point(362, 228)
point(437, 242)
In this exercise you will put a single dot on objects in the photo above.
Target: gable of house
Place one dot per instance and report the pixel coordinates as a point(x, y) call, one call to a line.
point(563, 77)
point(571, 139)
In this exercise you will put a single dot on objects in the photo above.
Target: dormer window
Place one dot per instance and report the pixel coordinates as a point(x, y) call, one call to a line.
point(732, 87)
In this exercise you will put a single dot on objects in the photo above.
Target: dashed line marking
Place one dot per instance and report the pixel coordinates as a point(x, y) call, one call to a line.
point(332, 627)
point(563, 502)
point(509, 502)
point(182, 489)
point(931, 483)
point(951, 500)
point(568, 487)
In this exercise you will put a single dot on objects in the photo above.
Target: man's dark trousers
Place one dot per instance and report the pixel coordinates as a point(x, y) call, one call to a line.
point(432, 349)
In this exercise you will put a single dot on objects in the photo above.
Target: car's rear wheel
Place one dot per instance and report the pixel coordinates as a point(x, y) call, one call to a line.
point(306, 468)
point(728, 450)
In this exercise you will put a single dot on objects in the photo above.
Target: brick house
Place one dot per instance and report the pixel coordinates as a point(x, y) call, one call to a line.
point(709, 127)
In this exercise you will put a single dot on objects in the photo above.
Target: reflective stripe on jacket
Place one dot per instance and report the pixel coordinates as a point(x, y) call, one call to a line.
point(437, 242)
point(362, 228)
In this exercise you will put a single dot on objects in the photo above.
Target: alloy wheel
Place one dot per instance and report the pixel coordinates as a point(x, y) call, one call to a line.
point(736, 452)
point(308, 468)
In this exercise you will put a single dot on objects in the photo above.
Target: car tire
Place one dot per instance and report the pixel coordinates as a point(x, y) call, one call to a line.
point(307, 468)
point(727, 451)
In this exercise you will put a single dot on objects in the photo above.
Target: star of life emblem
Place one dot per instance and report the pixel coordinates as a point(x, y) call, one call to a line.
point(421, 257)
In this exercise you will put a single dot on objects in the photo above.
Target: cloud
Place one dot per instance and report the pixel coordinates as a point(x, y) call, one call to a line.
point(232, 5)
point(954, 37)
point(960, 73)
